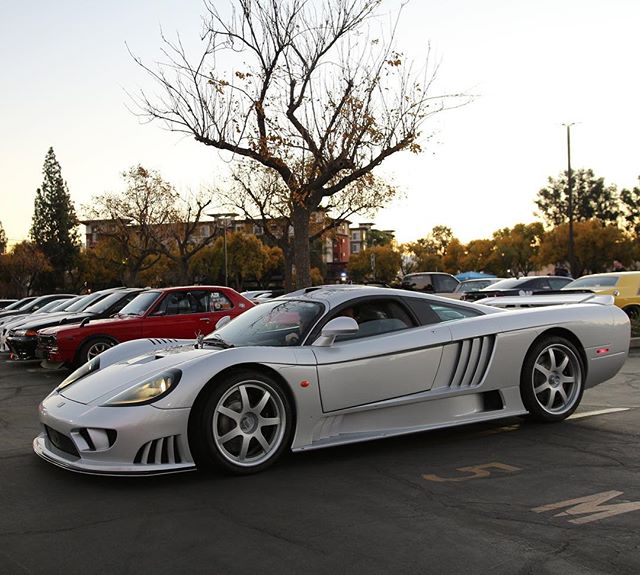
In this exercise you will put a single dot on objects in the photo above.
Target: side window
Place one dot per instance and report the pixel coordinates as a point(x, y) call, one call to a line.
point(376, 317)
point(217, 301)
point(444, 284)
point(540, 284)
point(175, 303)
point(557, 283)
point(452, 313)
point(431, 312)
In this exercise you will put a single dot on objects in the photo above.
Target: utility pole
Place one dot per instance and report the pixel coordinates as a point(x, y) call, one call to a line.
point(225, 219)
point(572, 262)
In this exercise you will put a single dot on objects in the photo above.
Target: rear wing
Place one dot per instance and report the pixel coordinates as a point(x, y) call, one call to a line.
point(566, 298)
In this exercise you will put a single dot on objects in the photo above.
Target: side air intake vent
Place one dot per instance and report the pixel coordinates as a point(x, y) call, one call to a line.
point(473, 356)
point(158, 451)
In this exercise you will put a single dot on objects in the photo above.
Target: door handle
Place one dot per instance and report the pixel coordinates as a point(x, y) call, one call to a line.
point(205, 319)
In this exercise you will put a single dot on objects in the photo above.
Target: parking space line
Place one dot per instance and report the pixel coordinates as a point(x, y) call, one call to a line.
point(598, 412)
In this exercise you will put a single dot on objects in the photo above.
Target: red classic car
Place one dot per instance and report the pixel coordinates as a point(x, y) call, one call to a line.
point(178, 312)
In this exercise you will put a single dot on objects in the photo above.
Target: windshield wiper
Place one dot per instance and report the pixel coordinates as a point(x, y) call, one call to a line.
point(217, 341)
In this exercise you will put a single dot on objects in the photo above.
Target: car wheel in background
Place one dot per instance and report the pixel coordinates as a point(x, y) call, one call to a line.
point(242, 425)
point(552, 379)
point(94, 347)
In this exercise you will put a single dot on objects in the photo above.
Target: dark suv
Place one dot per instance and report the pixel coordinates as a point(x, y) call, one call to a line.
point(430, 282)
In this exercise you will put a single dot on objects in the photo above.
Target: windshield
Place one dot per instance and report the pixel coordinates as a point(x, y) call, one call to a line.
point(589, 282)
point(64, 305)
point(86, 300)
point(140, 304)
point(48, 307)
point(510, 283)
point(105, 303)
point(273, 323)
point(19, 304)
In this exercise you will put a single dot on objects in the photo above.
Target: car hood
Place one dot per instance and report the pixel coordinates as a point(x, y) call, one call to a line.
point(77, 319)
point(100, 386)
point(52, 319)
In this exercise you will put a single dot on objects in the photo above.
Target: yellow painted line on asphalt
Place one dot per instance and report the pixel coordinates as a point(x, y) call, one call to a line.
point(598, 412)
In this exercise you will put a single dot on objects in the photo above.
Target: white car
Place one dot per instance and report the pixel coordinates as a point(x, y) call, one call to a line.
point(330, 366)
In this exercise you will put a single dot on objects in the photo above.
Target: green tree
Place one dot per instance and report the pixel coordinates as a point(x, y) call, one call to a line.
point(428, 253)
point(379, 263)
point(478, 256)
point(3, 240)
point(591, 199)
point(26, 264)
point(595, 246)
point(54, 224)
point(516, 249)
point(379, 238)
point(630, 200)
point(317, 99)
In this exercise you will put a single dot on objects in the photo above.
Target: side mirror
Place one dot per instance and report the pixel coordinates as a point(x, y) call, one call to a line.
point(223, 321)
point(337, 326)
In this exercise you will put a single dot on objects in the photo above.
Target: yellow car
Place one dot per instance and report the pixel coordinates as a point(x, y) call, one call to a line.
point(624, 286)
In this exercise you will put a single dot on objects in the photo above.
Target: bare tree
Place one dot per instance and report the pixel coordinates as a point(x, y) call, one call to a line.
point(183, 238)
point(316, 96)
point(263, 199)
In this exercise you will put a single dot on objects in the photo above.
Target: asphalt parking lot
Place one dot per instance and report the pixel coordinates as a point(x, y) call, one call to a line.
point(506, 497)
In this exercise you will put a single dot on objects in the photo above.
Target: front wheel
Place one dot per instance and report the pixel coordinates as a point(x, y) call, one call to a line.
point(552, 379)
point(94, 347)
point(243, 425)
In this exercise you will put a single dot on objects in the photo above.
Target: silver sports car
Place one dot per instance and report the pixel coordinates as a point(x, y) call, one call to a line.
point(329, 366)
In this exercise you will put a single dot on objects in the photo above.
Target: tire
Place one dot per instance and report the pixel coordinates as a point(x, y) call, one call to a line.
point(552, 379)
point(633, 311)
point(243, 424)
point(92, 348)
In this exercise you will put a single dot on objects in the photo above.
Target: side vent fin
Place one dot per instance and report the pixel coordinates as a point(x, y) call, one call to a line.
point(158, 451)
point(473, 357)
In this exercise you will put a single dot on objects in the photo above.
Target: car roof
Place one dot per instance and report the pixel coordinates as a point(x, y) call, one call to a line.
point(335, 295)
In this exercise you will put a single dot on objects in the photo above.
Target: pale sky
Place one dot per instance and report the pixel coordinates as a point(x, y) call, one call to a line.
point(533, 64)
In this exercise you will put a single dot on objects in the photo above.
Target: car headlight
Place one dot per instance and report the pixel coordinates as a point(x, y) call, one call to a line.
point(82, 371)
point(23, 333)
point(147, 391)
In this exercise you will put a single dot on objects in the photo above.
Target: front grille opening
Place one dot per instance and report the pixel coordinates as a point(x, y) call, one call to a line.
point(158, 451)
point(61, 441)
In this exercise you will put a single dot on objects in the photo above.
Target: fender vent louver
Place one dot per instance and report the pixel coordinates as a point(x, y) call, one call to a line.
point(161, 341)
point(473, 357)
point(158, 451)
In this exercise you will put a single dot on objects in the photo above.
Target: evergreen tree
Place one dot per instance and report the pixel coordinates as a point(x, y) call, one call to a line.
point(3, 240)
point(54, 224)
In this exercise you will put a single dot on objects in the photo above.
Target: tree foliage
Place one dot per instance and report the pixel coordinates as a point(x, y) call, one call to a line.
point(54, 224)
point(516, 249)
point(318, 98)
point(24, 267)
point(591, 199)
point(595, 247)
point(3, 240)
point(375, 263)
point(136, 221)
point(630, 200)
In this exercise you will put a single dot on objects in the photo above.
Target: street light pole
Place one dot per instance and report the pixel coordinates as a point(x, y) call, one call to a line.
point(572, 263)
point(225, 218)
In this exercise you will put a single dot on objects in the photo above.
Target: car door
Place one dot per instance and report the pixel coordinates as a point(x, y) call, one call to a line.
point(176, 315)
point(378, 366)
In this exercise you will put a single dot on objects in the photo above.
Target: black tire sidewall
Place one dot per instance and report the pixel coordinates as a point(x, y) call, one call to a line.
point(206, 452)
point(527, 393)
point(84, 348)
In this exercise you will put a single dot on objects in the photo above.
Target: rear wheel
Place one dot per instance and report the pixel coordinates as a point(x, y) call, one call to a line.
point(94, 347)
point(243, 425)
point(552, 379)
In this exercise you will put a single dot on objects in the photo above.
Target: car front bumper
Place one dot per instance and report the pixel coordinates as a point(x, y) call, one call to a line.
point(22, 347)
point(134, 440)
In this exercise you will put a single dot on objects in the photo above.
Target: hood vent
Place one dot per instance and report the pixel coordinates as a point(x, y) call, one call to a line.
point(158, 451)
point(473, 357)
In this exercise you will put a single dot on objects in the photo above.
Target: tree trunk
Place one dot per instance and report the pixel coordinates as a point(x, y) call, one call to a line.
point(301, 252)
